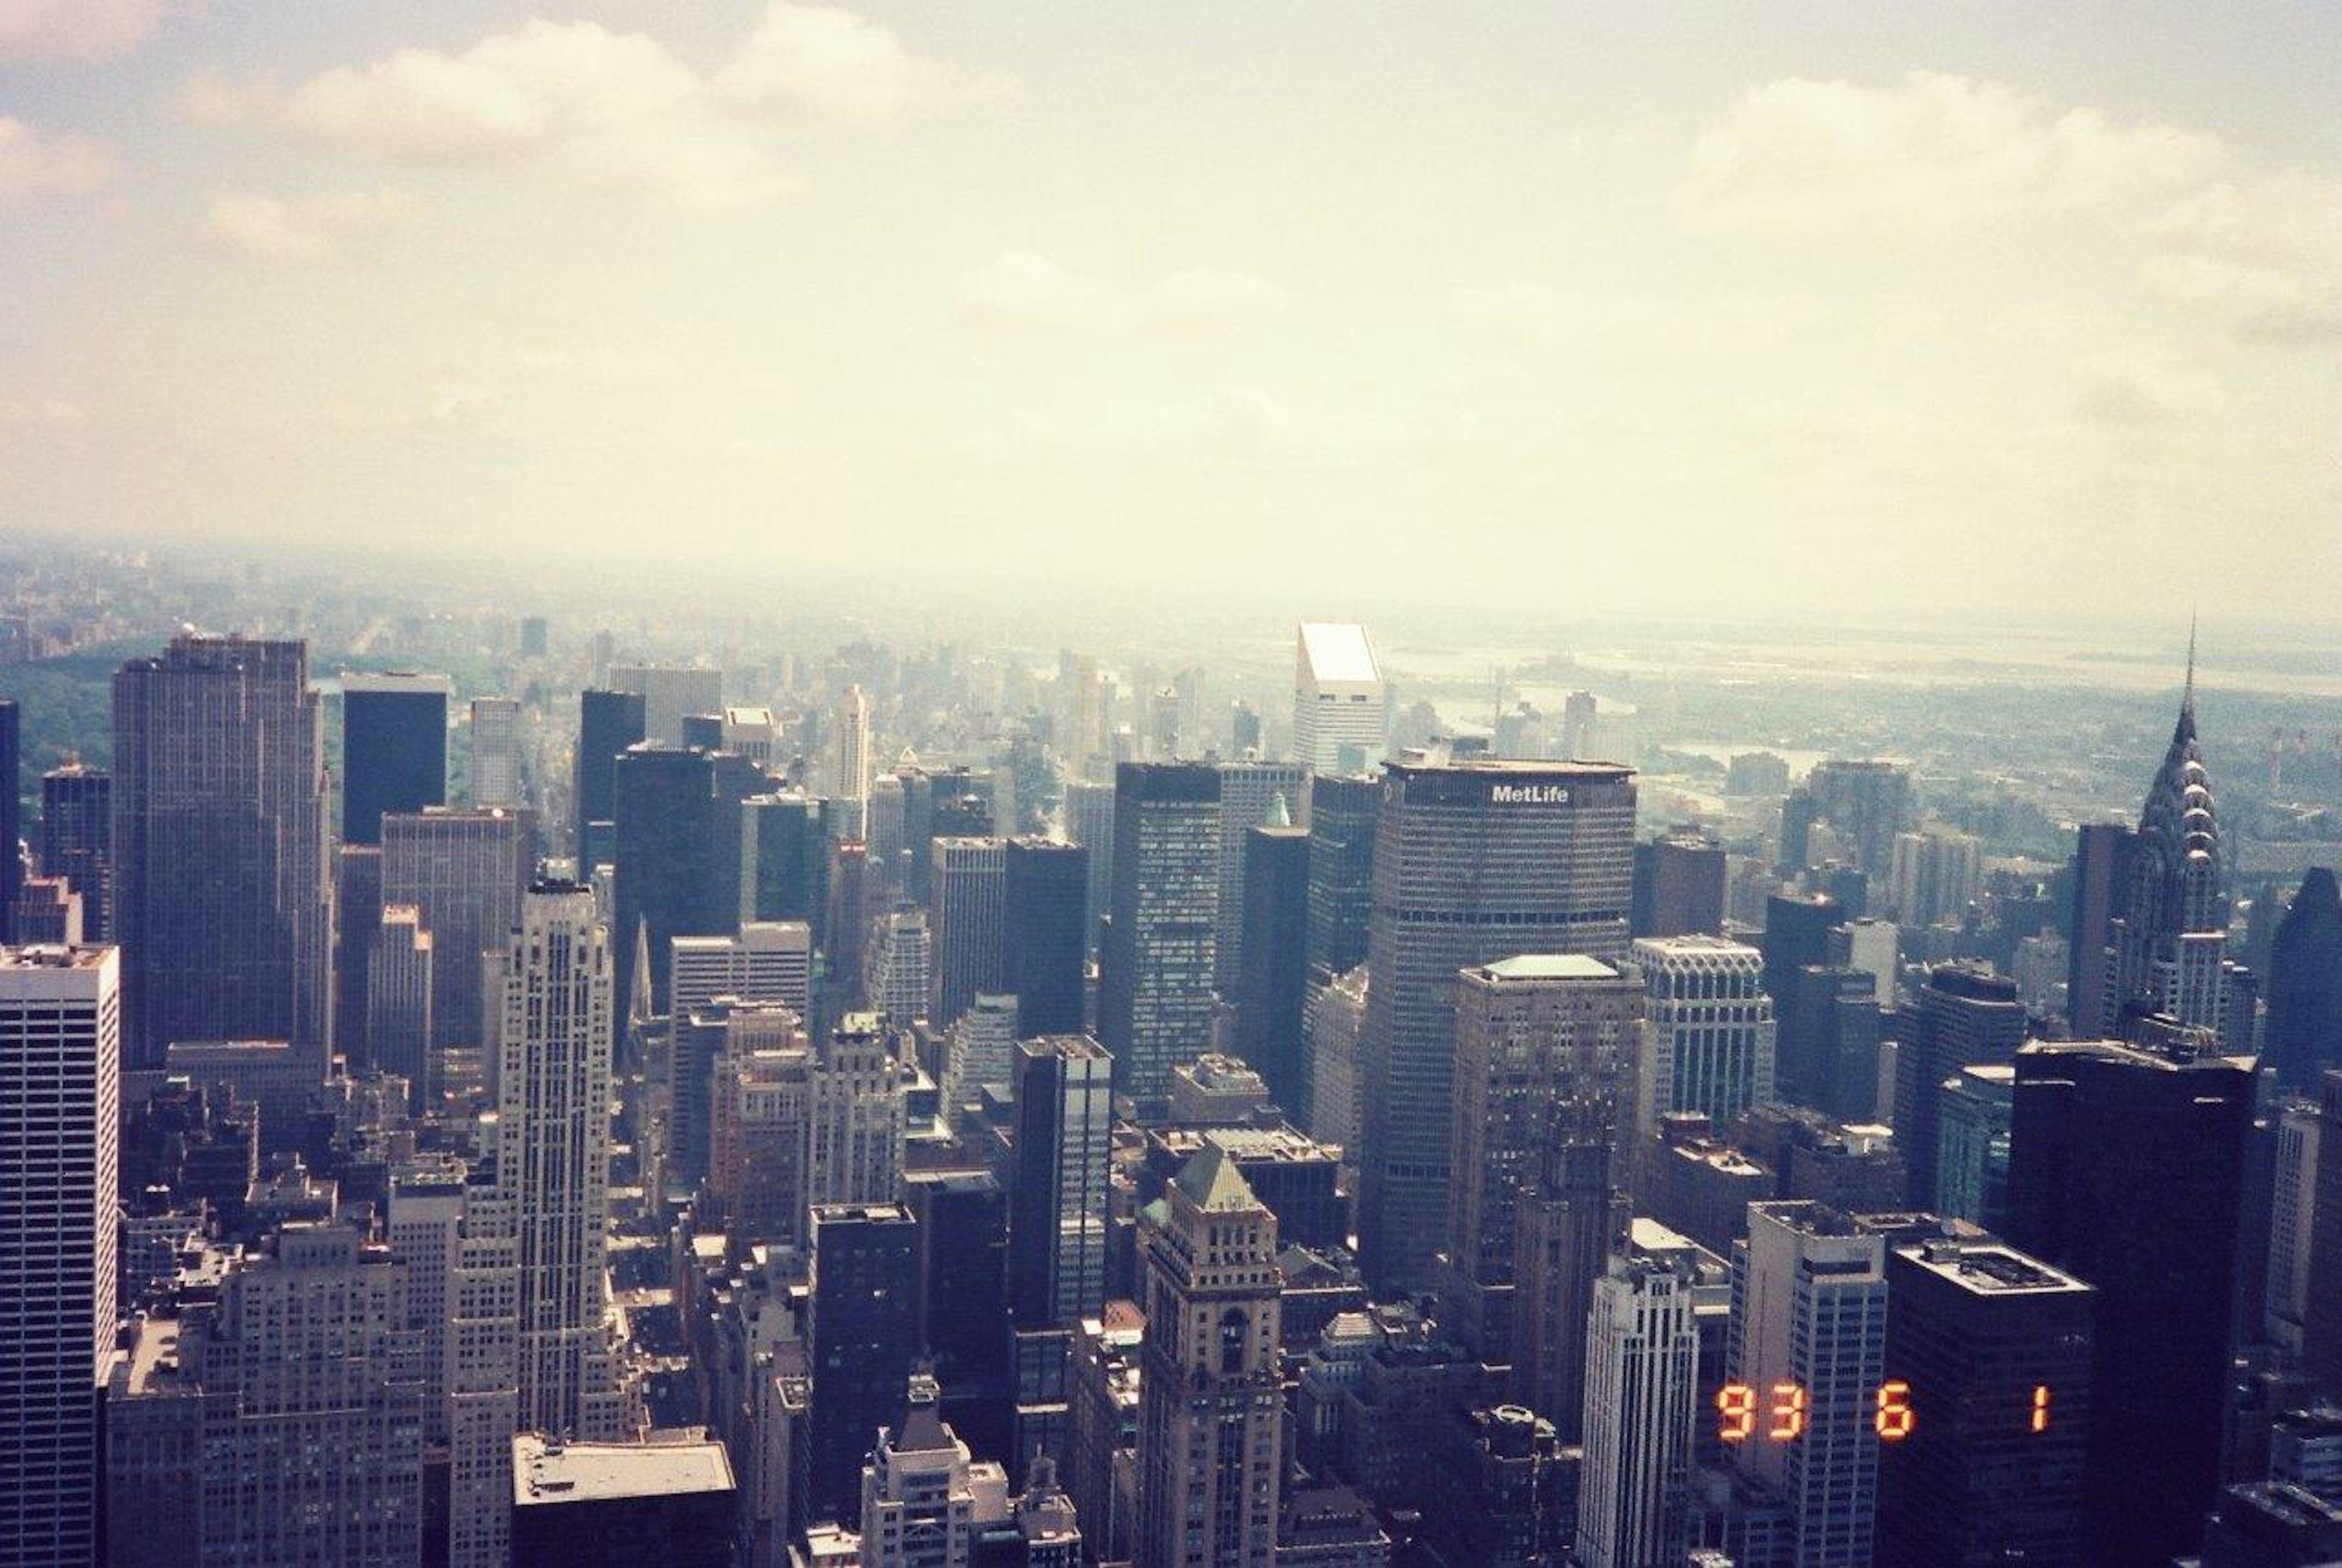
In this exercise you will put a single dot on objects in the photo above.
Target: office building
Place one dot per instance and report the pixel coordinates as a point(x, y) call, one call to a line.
point(1992, 1349)
point(1545, 1062)
point(1341, 812)
point(918, 1506)
point(77, 841)
point(670, 1501)
point(2302, 1035)
point(980, 1049)
point(666, 881)
point(857, 1117)
point(357, 915)
point(862, 1321)
point(2169, 933)
point(2322, 1309)
point(767, 961)
point(784, 860)
point(60, 1075)
point(495, 752)
point(1047, 935)
point(2101, 878)
point(1081, 715)
point(1872, 947)
point(1210, 1435)
point(1797, 934)
point(849, 772)
point(1154, 990)
point(1967, 1017)
point(1297, 1178)
point(1059, 1202)
point(11, 860)
point(1827, 1031)
point(2293, 1220)
point(465, 873)
point(962, 1256)
point(1973, 1110)
point(1710, 1048)
point(1340, 705)
point(670, 695)
point(885, 827)
point(901, 966)
point(398, 1000)
point(1808, 1339)
point(1089, 823)
point(2127, 1166)
point(1334, 1019)
point(1866, 802)
point(1934, 876)
point(1678, 885)
point(553, 1154)
point(760, 1125)
point(1274, 965)
point(750, 732)
point(1475, 860)
point(223, 896)
point(393, 749)
point(968, 916)
point(1642, 1397)
point(1252, 794)
point(608, 723)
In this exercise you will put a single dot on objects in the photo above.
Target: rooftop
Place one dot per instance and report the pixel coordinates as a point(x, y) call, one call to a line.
point(1990, 1269)
point(1339, 650)
point(1549, 967)
point(547, 1472)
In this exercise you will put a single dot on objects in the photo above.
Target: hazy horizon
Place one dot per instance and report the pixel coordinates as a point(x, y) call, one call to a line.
point(1575, 312)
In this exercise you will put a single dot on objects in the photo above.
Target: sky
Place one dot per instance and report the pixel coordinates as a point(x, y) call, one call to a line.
point(1767, 310)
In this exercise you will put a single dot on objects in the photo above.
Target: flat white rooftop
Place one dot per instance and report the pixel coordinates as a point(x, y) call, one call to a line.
point(549, 1473)
point(1338, 653)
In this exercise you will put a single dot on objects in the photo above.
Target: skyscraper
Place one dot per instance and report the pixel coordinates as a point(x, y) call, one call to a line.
point(12, 861)
point(2102, 851)
point(1678, 884)
point(553, 1154)
point(223, 899)
point(849, 772)
point(398, 999)
point(2322, 1305)
point(670, 693)
point(764, 961)
point(2303, 1032)
point(607, 724)
point(1796, 932)
point(1154, 990)
point(77, 840)
point(1249, 795)
point(2127, 1166)
point(1544, 1052)
point(863, 1326)
point(857, 1118)
point(1711, 1028)
point(2170, 931)
point(784, 859)
point(664, 882)
point(1275, 970)
point(1866, 801)
point(464, 873)
point(1047, 938)
point(1342, 811)
point(393, 749)
point(1474, 860)
point(968, 920)
point(1809, 1341)
point(1210, 1447)
point(1993, 1349)
point(1642, 1394)
point(495, 752)
point(1339, 703)
point(1967, 1017)
point(60, 1069)
point(1058, 1207)
point(1089, 823)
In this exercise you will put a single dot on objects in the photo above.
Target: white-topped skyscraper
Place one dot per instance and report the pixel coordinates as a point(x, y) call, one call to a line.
point(1642, 1392)
point(60, 1072)
point(849, 760)
point(1711, 1028)
point(1340, 707)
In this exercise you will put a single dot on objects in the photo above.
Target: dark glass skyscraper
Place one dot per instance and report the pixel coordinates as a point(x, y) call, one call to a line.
point(607, 724)
point(2302, 1035)
point(12, 789)
point(784, 860)
point(1276, 961)
point(2127, 1168)
point(1047, 941)
point(1796, 932)
point(666, 876)
point(393, 749)
point(1967, 1017)
point(2102, 853)
point(222, 891)
point(78, 840)
point(1342, 810)
point(864, 1324)
point(1679, 885)
point(1474, 860)
point(1995, 1347)
point(1155, 989)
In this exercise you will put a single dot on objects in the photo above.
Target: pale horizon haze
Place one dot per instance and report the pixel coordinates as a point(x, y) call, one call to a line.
point(1768, 309)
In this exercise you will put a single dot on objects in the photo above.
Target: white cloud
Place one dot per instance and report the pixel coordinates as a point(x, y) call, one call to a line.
point(32, 163)
point(600, 107)
point(820, 63)
point(2138, 385)
point(305, 228)
point(1932, 152)
point(75, 29)
point(1024, 288)
point(2265, 253)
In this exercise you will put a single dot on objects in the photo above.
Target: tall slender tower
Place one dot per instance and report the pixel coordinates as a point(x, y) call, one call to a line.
point(1155, 984)
point(12, 862)
point(78, 840)
point(1474, 860)
point(2170, 940)
point(849, 758)
point(496, 751)
point(968, 916)
point(553, 1156)
point(1210, 1444)
point(1059, 1202)
point(1642, 1391)
point(60, 1066)
point(224, 897)
point(1339, 703)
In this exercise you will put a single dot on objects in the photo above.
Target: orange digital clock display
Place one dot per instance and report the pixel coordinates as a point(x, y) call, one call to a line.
point(1777, 1412)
